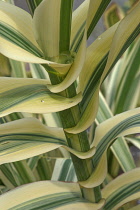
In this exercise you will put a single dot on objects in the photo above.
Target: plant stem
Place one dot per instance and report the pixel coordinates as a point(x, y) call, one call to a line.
point(79, 141)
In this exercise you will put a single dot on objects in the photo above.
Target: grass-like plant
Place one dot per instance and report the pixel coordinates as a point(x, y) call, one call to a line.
point(85, 136)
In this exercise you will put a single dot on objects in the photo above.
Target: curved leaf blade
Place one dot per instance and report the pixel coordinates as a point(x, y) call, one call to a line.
point(17, 35)
point(122, 189)
point(32, 96)
point(119, 45)
point(58, 195)
point(95, 61)
point(25, 138)
point(119, 125)
point(119, 148)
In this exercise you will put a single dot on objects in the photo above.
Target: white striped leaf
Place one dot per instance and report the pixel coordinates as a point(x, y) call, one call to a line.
point(128, 30)
point(135, 141)
point(74, 70)
point(78, 24)
point(128, 94)
point(96, 57)
point(39, 72)
point(63, 196)
point(118, 46)
point(105, 133)
point(119, 148)
point(122, 189)
point(64, 170)
point(25, 138)
point(120, 125)
point(17, 37)
point(96, 9)
point(47, 26)
point(32, 4)
point(32, 96)
point(77, 66)
point(18, 69)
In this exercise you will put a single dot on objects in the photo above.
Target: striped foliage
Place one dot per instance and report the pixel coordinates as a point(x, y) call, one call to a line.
point(32, 4)
point(18, 40)
point(27, 137)
point(119, 148)
point(117, 48)
point(53, 41)
point(122, 190)
point(129, 81)
point(64, 171)
point(123, 83)
point(58, 195)
point(31, 95)
point(95, 11)
point(120, 125)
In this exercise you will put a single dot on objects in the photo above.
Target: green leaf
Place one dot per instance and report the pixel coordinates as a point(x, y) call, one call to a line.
point(65, 25)
point(96, 9)
point(32, 4)
point(113, 14)
point(13, 36)
point(4, 66)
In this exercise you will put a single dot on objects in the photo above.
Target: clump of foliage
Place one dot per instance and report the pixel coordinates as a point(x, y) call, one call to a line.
point(58, 98)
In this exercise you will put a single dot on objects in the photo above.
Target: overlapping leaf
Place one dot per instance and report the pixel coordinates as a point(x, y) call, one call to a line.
point(96, 57)
point(117, 126)
point(32, 96)
point(122, 189)
point(17, 37)
point(119, 148)
point(119, 45)
point(58, 195)
point(64, 170)
point(25, 138)
point(96, 9)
